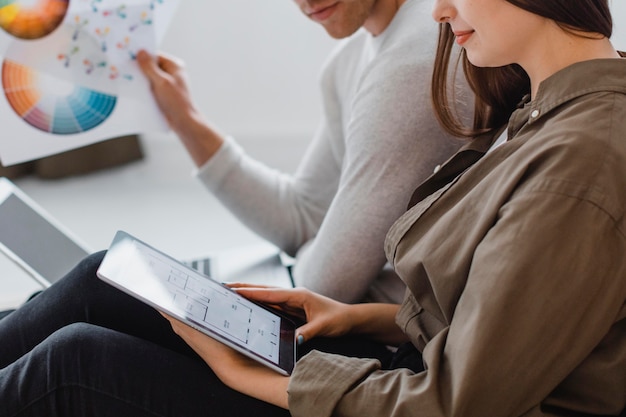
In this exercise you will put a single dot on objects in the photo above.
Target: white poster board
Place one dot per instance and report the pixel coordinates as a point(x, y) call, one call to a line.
point(69, 74)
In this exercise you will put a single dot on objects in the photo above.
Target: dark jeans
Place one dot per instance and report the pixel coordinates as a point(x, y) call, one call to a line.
point(83, 348)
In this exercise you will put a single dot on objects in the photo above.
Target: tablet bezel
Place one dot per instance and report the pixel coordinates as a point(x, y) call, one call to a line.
point(109, 271)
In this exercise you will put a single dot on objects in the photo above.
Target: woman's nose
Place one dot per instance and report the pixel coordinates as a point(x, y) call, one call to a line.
point(442, 11)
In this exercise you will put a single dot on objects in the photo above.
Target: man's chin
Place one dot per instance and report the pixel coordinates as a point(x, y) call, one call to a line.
point(339, 33)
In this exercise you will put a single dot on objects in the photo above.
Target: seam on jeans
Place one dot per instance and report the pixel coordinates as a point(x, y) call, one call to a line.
point(80, 386)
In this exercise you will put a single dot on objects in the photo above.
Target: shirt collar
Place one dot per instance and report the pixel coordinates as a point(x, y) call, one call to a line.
point(572, 82)
point(569, 83)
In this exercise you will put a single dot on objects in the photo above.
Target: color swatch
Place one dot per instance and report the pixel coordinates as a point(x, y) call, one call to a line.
point(53, 105)
point(31, 19)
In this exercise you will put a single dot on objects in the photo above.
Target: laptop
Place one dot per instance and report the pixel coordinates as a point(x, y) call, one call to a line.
point(33, 239)
point(44, 248)
point(260, 263)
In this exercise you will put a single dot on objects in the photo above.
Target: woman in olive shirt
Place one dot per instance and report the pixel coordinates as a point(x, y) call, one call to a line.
point(513, 253)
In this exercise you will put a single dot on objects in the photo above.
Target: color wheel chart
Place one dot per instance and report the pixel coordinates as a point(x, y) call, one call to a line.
point(69, 75)
point(31, 19)
point(42, 100)
point(53, 105)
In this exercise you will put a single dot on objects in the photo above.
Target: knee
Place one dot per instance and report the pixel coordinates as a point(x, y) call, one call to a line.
point(80, 283)
point(74, 334)
point(90, 264)
point(84, 272)
point(58, 362)
point(67, 346)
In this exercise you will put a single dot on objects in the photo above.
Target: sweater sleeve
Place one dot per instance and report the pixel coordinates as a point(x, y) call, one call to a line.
point(526, 334)
point(264, 199)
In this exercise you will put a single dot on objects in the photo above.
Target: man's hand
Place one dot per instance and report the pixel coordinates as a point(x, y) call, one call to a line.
point(168, 81)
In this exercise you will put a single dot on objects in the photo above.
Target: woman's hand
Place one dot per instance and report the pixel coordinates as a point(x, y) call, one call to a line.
point(234, 369)
point(323, 316)
point(327, 317)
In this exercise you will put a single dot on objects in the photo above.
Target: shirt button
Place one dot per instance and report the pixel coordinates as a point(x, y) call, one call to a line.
point(534, 114)
point(437, 169)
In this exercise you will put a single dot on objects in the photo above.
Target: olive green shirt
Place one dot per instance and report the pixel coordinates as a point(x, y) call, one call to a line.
point(516, 272)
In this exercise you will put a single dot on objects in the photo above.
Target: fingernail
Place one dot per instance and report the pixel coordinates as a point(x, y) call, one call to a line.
point(300, 339)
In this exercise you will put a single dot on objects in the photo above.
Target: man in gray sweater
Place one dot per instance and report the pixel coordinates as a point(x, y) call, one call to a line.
point(377, 141)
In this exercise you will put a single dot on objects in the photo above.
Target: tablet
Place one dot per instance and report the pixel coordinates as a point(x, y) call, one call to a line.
point(168, 285)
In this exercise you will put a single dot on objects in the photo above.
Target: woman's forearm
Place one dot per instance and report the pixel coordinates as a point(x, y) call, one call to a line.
point(377, 322)
point(256, 381)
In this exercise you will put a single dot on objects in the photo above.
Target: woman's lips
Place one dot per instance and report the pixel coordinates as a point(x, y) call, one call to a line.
point(463, 36)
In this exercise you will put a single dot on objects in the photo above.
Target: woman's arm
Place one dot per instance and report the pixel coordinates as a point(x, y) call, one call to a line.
point(325, 316)
point(234, 369)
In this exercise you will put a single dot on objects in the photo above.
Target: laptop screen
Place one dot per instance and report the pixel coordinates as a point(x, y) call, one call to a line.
point(35, 241)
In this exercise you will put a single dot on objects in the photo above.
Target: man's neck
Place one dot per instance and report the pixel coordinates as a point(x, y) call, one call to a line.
point(381, 16)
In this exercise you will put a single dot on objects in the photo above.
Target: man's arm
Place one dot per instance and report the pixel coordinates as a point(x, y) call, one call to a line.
point(168, 81)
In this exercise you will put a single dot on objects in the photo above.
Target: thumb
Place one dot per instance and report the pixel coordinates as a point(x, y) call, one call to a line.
point(147, 64)
point(307, 332)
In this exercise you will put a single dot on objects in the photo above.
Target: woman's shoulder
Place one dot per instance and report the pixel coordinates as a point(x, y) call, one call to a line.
point(579, 149)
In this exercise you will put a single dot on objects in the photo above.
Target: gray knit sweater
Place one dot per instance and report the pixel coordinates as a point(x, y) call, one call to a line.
point(377, 141)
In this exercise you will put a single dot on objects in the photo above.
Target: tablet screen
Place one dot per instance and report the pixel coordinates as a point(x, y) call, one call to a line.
point(170, 286)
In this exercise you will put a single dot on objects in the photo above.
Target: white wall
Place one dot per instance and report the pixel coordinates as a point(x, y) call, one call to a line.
point(253, 64)
point(618, 8)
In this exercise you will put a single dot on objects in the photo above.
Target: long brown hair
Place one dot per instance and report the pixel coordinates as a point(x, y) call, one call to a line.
point(498, 91)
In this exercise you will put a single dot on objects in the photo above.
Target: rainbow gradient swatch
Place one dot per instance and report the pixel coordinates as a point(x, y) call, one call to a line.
point(53, 105)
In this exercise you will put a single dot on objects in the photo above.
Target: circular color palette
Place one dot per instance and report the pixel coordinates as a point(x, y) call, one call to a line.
point(32, 19)
point(53, 105)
